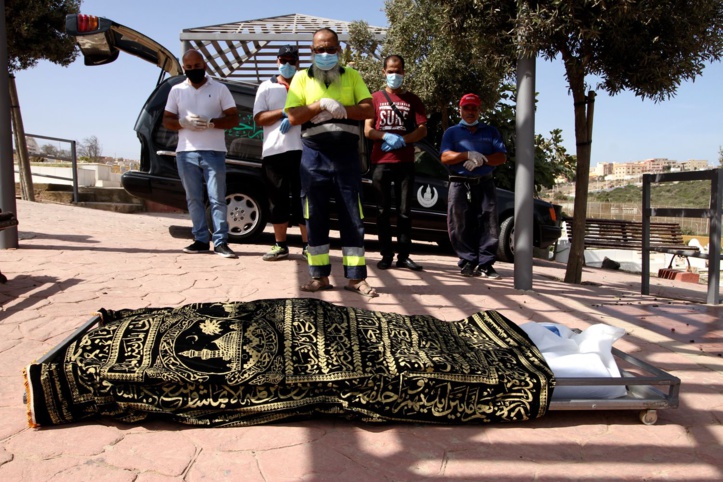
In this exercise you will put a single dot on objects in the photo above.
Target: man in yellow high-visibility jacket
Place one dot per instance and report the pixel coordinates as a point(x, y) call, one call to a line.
point(328, 100)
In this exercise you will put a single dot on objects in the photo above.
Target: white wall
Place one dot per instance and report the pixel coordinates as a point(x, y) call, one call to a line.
point(89, 175)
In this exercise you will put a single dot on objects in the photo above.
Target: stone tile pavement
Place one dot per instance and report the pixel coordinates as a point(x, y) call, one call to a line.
point(73, 261)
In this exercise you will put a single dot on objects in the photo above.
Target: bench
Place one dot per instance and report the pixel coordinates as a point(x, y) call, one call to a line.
point(621, 234)
point(7, 220)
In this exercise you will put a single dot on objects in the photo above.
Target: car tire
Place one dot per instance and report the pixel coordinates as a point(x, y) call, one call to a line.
point(245, 215)
point(506, 247)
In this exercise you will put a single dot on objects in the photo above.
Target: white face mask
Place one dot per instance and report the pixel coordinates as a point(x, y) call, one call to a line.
point(468, 124)
point(394, 81)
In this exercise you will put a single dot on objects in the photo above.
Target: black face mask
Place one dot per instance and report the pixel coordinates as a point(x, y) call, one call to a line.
point(195, 75)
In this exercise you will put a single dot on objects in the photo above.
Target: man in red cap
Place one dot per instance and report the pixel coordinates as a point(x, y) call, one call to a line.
point(471, 150)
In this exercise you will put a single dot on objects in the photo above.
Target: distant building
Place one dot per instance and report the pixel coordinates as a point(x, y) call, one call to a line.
point(627, 170)
point(657, 165)
point(603, 169)
point(620, 171)
point(694, 165)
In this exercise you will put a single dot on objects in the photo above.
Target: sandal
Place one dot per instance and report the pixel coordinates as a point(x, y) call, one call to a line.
point(363, 289)
point(316, 284)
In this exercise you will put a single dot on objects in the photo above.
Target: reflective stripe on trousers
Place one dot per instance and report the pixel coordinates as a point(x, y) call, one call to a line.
point(326, 175)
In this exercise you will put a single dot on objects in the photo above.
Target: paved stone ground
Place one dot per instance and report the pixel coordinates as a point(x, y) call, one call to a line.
point(73, 261)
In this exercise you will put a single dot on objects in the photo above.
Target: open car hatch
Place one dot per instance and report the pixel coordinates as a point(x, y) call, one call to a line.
point(101, 40)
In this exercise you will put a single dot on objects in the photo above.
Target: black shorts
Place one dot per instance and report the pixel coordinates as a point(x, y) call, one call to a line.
point(282, 181)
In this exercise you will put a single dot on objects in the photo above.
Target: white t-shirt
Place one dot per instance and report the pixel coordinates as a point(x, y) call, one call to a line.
point(271, 96)
point(209, 100)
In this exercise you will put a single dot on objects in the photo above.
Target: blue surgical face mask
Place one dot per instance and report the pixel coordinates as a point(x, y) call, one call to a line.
point(394, 81)
point(326, 61)
point(468, 124)
point(287, 70)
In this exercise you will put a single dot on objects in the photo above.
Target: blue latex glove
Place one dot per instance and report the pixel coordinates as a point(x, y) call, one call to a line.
point(392, 141)
point(285, 124)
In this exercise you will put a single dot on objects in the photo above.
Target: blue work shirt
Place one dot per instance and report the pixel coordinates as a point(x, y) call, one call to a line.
point(485, 139)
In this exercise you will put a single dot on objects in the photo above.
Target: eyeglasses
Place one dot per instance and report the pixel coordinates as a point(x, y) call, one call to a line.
point(287, 60)
point(325, 50)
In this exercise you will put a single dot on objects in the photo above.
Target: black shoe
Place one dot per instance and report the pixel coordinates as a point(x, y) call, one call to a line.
point(468, 270)
point(385, 263)
point(487, 272)
point(409, 264)
point(197, 247)
point(223, 250)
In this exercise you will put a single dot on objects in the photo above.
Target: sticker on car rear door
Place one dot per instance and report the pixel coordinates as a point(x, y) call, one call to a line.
point(427, 196)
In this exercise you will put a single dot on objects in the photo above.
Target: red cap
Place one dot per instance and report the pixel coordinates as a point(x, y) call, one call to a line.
point(470, 99)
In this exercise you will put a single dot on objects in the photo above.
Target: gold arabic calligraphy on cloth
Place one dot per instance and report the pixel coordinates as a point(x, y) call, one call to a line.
point(255, 362)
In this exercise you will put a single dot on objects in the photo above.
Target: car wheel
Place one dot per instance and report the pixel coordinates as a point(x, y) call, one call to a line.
point(245, 215)
point(506, 248)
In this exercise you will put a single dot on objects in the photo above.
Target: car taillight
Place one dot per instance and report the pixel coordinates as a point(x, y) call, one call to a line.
point(87, 23)
point(553, 214)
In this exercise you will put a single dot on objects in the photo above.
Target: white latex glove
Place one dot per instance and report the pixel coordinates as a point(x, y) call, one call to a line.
point(337, 110)
point(189, 122)
point(474, 160)
point(470, 165)
point(201, 122)
point(478, 157)
point(322, 116)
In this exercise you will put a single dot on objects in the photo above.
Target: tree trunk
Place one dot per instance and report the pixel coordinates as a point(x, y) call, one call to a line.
point(444, 111)
point(26, 176)
point(584, 108)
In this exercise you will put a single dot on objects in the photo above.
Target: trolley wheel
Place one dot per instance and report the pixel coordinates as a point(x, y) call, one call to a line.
point(648, 417)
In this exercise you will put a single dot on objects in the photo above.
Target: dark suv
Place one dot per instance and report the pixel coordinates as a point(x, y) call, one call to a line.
point(157, 180)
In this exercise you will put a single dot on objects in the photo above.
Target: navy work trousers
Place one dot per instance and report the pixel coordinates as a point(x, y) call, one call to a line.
point(327, 174)
point(472, 221)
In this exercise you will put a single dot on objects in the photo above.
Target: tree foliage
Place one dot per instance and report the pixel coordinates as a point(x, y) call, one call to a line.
point(443, 61)
point(646, 46)
point(552, 160)
point(90, 149)
point(49, 150)
point(446, 56)
point(36, 31)
point(364, 54)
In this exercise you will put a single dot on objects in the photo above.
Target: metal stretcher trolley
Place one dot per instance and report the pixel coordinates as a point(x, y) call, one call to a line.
point(649, 389)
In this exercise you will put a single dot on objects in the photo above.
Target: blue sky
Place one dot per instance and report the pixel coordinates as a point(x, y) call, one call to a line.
point(76, 102)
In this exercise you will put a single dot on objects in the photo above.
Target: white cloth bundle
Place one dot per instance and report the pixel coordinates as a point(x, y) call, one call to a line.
point(579, 355)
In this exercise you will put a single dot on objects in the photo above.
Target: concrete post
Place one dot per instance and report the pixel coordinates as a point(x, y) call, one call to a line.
point(8, 237)
point(524, 173)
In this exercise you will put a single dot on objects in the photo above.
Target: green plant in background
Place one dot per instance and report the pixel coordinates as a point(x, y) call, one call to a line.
point(552, 161)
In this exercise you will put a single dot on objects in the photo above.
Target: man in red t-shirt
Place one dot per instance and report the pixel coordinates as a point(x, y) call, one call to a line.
point(399, 121)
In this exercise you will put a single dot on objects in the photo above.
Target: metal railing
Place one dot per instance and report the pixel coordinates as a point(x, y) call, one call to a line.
point(712, 214)
point(73, 160)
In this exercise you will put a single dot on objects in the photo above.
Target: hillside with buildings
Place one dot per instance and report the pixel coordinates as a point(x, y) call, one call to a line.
point(612, 171)
point(606, 176)
point(615, 192)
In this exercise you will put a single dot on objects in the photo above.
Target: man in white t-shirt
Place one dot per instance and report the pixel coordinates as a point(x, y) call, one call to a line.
point(200, 109)
point(281, 153)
